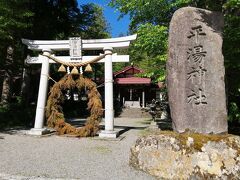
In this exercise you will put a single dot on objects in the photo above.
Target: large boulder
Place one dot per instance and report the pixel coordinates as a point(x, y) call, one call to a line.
point(195, 72)
point(169, 155)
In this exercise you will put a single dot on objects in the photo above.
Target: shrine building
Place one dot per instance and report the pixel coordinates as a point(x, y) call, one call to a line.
point(132, 91)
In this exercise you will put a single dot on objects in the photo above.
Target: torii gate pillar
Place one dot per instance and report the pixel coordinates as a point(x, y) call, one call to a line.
point(109, 112)
point(42, 96)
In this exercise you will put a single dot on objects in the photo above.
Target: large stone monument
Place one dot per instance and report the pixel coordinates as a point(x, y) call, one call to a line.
point(195, 71)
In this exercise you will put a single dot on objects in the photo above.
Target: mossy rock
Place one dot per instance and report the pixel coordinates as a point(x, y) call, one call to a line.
point(170, 155)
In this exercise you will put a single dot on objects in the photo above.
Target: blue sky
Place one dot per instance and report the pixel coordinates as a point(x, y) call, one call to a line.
point(116, 26)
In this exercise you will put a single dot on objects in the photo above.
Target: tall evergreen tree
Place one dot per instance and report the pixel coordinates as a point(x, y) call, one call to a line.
point(60, 19)
point(93, 23)
point(14, 20)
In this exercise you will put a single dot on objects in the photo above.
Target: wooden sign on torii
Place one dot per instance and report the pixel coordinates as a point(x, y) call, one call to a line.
point(49, 47)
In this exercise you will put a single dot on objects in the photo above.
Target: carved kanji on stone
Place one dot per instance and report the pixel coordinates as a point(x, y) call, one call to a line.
point(196, 54)
point(198, 98)
point(195, 73)
point(196, 32)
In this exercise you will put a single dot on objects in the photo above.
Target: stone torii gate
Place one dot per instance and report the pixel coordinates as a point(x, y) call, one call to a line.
point(49, 47)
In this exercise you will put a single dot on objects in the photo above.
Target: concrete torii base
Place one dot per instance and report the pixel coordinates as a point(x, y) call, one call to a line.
point(38, 132)
point(109, 134)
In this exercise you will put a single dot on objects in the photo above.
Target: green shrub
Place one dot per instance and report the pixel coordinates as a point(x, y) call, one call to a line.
point(233, 112)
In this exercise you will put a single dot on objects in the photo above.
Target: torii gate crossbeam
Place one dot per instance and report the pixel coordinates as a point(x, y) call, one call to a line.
point(48, 47)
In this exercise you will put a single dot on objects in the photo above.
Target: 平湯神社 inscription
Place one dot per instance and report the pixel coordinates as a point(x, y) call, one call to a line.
point(195, 71)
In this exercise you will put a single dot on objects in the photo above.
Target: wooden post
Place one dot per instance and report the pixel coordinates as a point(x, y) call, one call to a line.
point(143, 98)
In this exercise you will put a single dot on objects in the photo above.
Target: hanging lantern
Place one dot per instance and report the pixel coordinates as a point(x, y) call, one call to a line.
point(74, 71)
point(88, 68)
point(62, 69)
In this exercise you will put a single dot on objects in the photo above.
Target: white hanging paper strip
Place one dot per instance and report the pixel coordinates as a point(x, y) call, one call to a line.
point(68, 70)
point(81, 70)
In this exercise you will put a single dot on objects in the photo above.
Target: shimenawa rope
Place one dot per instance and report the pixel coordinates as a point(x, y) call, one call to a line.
point(78, 64)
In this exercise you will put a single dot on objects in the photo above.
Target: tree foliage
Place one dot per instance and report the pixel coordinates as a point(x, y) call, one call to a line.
point(60, 19)
point(149, 50)
point(14, 21)
point(14, 17)
point(156, 12)
point(95, 23)
point(232, 34)
point(150, 20)
point(231, 51)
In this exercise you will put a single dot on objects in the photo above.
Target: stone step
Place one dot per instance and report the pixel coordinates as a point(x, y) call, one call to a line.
point(134, 113)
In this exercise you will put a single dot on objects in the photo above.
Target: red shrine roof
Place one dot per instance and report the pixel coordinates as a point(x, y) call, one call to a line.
point(133, 80)
point(131, 69)
point(127, 76)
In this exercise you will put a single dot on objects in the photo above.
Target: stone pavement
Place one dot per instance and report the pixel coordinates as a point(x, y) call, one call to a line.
point(55, 157)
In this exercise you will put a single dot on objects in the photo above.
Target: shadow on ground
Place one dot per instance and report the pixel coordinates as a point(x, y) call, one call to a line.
point(14, 130)
point(233, 128)
point(124, 129)
point(78, 122)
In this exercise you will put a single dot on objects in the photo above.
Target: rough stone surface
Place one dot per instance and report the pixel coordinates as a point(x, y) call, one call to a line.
point(195, 71)
point(168, 157)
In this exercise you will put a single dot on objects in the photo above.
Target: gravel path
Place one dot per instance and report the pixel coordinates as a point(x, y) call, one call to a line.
point(55, 157)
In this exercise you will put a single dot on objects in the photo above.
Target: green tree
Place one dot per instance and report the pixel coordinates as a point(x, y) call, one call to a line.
point(149, 19)
point(94, 24)
point(156, 12)
point(231, 51)
point(61, 19)
point(53, 19)
point(14, 21)
point(149, 50)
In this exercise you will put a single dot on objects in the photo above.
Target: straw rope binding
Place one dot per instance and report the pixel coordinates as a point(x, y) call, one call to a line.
point(78, 64)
